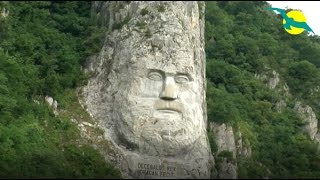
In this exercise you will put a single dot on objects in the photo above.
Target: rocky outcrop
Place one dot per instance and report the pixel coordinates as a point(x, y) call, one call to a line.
point(4, 11)
point(227, 170)
point(152, 65)
point(243, 146)
point(52, 103)
point(274, 80)
point(232, 147)
point(305, 112)
point(281, 105)
point(271, 79)
point(224, 137)
point(307, 115)
point(225, 141)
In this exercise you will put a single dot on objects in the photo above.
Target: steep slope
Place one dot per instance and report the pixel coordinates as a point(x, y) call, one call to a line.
point(262, 93)
point(41, 49)
point(260, 78)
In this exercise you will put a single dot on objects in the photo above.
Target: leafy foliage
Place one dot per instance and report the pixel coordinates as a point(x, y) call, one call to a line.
point(243, 39)
point(43, 45)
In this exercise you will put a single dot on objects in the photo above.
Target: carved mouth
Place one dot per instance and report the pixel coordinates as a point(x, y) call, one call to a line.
point(168, 106)
point(166, 134)
point(168, 110)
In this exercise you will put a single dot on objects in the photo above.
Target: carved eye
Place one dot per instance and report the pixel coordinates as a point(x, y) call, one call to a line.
point(181, 79)
point(155, 76)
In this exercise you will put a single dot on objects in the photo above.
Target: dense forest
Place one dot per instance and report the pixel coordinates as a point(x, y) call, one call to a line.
point(44, 46)
point(244, 40)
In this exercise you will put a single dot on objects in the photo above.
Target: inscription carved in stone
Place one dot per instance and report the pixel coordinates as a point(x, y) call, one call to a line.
point(156, 170)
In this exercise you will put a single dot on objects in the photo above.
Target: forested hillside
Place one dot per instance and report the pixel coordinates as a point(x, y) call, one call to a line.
point(42, 47)
point(245, 41)
point(45, 44)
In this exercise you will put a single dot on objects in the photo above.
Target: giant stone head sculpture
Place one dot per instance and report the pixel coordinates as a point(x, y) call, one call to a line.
point(148, 92)
point(157, 108)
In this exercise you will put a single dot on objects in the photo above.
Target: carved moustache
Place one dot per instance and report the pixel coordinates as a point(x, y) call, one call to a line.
point(168, 105)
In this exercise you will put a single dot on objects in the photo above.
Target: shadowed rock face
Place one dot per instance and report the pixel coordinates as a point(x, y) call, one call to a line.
point(148, 88)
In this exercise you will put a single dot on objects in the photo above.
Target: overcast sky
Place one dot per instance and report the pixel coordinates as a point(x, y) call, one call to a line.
point(310, 9)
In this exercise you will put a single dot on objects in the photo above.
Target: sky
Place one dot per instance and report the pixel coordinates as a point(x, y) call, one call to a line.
point(310, 9)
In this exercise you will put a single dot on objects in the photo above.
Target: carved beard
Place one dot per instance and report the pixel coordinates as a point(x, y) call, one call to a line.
point(153, 132)
point(174, 138)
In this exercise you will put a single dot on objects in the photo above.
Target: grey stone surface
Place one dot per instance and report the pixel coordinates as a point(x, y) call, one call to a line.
point(306, 113)
point(271, 78)
point(49, 100)
point(274, 80)
point(281, 105)
point(243, 146)
point(224, 137)
point(228, 170)
point(147, 88)
point(225, 140)
point(52, 103)
point(4, 12)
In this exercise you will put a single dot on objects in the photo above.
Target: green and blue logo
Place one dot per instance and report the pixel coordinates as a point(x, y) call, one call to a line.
point(294, 22)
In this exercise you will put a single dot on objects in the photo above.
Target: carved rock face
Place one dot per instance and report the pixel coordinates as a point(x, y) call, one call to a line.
point(148, 89)
point(159, 112)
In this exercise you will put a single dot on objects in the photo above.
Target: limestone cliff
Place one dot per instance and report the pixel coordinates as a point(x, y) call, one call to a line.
point(308, 117)
point(225, 140)
point(304, 111)
point(4, 11)
point(147, 88)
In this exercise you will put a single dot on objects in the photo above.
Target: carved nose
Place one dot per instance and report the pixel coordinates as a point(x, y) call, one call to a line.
point(169, 90)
